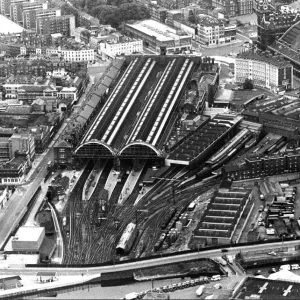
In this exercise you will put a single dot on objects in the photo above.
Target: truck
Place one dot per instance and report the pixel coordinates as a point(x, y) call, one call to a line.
point(285, 267)
point(215, 278)
point(199, 290)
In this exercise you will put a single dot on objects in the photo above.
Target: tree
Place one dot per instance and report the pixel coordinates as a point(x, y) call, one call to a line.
point(192, 18)
point(248, 84)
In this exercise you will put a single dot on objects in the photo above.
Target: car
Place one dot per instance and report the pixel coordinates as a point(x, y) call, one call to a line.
point(224, 250)
point(258, 272)
point(179, 285)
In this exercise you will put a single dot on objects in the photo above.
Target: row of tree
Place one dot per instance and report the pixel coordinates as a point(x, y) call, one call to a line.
point(112, 12)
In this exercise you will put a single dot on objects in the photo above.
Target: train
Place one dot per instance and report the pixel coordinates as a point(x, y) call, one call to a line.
point(230, 148)
point(251, 142)
point(168, 217)
point(101, 206)
point(168, 223)
point(126, 241)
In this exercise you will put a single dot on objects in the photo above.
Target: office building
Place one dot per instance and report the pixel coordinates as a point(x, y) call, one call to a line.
point(64, 25)
point(29, 13)
point(265, 70)
point(125, 45)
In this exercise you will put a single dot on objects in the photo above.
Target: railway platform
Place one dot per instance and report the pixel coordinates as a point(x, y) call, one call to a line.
point(111, 182)
point(31, 218)
point(92, 180)
point(130, 184)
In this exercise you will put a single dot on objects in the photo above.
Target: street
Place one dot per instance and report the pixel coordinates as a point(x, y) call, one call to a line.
point(224, 49)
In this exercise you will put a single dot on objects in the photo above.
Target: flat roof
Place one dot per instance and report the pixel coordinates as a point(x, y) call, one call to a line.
point(8, 26)
point(29, 233)
point(267, 58)
point(262, 288)
point(159, 30)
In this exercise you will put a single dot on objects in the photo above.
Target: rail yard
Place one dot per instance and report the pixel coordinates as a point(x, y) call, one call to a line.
point(94, 227)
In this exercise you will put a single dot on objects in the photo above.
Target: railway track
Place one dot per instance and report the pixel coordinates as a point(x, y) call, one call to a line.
point(99, 243)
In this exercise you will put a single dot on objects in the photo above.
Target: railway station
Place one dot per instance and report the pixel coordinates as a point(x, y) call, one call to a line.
point(141, 110)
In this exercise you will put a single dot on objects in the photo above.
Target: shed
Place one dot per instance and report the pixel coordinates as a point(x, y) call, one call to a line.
point(11, 282)
point(45, 276)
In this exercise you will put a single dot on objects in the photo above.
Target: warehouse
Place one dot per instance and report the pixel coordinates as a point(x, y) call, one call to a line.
point(158, 36)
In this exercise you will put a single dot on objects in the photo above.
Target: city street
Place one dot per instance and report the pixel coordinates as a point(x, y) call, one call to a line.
point(223, 50)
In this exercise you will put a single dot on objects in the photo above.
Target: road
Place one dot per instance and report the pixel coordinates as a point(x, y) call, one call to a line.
point(12, 214)
point(152, 262)
point(16, 207)
point(224, 49)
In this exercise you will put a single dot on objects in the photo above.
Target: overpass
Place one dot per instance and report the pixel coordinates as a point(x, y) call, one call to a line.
point(154, 262)
point(140, 110)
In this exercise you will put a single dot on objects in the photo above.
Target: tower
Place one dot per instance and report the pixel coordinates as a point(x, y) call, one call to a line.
point(271, 22)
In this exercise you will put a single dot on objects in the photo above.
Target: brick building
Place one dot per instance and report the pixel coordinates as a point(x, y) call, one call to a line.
point(63, 153)
point(272, 23)
point(255, 167)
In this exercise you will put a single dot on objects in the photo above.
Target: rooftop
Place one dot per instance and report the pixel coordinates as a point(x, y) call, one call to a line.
point(262, 288)
point(13, 164)
point(203, 138)
point(158, 30)
point(29, 233)
point(275, 60)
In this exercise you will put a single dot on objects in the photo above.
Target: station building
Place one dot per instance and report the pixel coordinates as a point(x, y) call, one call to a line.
point(201, 143)
point(128, 127)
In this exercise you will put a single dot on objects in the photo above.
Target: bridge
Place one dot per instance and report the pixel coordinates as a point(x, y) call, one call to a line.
point(62, 270)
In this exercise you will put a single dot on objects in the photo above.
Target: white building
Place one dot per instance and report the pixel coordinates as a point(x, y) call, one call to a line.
point(159, 37)
point(109, 50)
point(28, 239)
point(213, 31)
point(78, 55)
point(272, 72)
point(11, 90)
point(69, 93)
